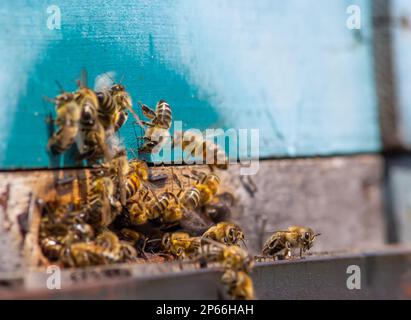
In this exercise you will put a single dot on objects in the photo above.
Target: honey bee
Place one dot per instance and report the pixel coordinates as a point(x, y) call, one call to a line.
point(156, 132)
point(68, 117)
point(225, 232)
point(204, 190)
point(196, 146)
point(282, 243)
point(106, 249)
point(93, 136)
point(165, 207)
point(230, 257)
point(137, 210)
point(240, 285)
point(102, 205)
point(138, 176)
point(180, 244)
point(137, 239)
point(114, 101)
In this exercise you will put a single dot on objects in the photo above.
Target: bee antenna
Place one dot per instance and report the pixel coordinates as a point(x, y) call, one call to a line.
point(153, 240)
point(59, 86)
point(121, 79)
point(48, 99)
point(83, 78)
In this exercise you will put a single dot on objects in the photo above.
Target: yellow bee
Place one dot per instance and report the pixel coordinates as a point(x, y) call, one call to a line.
point(157, 130)
point(114, 101)
point(180, 244)
point(165, 207)
point(225, 232)
point(102, 204)
point(68, 118)
point(240, 285)
point(93, 136)
point(282, 243)
point(203, 191)
point(137, 177)
point(230, 257)
point(196, 146)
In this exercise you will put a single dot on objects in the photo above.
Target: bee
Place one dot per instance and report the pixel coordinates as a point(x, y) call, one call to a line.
point(225, 232)
point(166, 207)
point(106, 249)
point(138, 176)
point(240, 285)
point(93, 136)
point(194, 144)
point(68, 117)
point(102, 205)
point(180, 244)
point(204, 189)
point(137, 210)
point(157, 131)
point(137, 239)
point(114, 101)
point(230, 257)
point(285, 241)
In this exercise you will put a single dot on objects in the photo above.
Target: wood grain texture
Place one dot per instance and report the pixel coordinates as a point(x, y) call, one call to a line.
point(339, 197)
point(399, 198)
point(292, 69)
point(394, 29)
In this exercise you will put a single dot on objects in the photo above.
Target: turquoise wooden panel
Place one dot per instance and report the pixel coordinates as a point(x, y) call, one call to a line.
point(290, 68)
point(401, 50)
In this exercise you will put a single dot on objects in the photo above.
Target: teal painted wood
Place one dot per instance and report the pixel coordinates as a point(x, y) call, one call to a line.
point(401, 39)
point(290, 68)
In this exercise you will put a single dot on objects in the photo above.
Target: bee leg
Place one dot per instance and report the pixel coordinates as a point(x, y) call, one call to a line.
point(301, 253)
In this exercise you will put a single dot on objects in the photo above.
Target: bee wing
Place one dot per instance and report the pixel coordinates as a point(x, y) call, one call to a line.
point(193, 223)
point(104, 81)
point(148, 112)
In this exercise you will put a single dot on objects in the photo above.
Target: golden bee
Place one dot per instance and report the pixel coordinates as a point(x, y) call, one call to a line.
point(137, 210)
point(194, 144)
point(114, 101)
point(165, 207)
point(138, 176)
point(240, 285)
point(203, 191)
point(93, 136)
point(157, 131)
point(282, 243)
point(105, 249)
point(103, 206)
point(68, 119)
point(225, 232)
point(180, 244)
point(230, 257)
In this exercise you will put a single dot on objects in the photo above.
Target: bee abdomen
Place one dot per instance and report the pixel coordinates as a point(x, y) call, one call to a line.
point(163, 114)
point(191, 198)
point(132, 186)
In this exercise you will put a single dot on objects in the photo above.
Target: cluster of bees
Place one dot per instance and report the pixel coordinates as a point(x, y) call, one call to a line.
point(126, 216)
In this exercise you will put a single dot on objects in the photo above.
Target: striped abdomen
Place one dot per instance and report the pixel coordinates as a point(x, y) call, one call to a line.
point(107, 108)
point(156, 208)
point(132, 185)
point(191, 198)
point(163, 115)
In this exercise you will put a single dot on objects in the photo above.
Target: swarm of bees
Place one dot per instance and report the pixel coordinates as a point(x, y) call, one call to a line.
point(126, 216)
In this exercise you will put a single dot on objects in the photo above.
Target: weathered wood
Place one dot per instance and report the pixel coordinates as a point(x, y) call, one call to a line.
point(292, 69)
point(398, 180)
point(392, 60)
point(339, 197)
point(384, 274)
